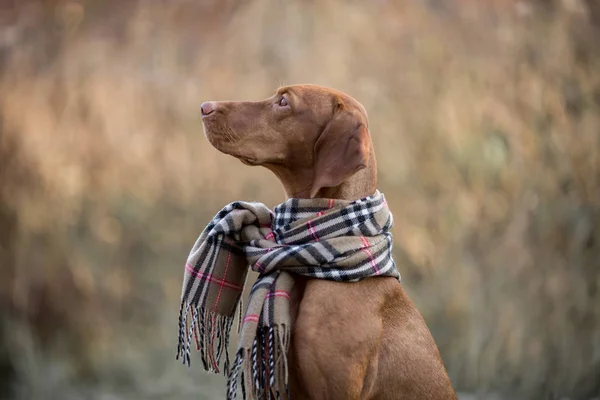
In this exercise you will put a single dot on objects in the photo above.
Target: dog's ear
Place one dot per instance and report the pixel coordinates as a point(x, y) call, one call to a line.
point(341, 150)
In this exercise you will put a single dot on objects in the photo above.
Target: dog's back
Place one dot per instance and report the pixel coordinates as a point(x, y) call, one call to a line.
point(363, 340)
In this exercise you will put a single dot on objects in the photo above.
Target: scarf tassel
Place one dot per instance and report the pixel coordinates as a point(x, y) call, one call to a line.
point(263, 368)
point(211, 342)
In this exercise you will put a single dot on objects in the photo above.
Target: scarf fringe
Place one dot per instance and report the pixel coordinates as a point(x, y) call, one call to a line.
point(214, 331)
point(263, 369)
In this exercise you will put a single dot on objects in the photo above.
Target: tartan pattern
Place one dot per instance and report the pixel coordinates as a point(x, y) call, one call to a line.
point(338, 240)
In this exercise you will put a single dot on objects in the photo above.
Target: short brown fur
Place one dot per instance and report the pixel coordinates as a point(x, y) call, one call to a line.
point(361, 340)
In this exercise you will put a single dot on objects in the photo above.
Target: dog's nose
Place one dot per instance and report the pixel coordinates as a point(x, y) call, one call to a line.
point(207, 107)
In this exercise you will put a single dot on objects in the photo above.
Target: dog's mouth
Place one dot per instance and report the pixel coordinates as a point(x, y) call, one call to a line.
point(218, 133)
point(227, 142)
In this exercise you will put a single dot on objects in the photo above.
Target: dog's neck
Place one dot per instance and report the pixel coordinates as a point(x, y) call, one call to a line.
point(298, 183)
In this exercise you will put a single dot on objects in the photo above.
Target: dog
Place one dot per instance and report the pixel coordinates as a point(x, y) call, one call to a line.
point(363, 340)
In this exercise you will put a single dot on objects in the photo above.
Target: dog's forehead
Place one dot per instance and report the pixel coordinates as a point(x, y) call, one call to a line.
point(316, 92)
point(313, 91)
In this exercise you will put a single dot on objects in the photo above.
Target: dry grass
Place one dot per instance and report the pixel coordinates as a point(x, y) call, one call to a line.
point(486, 122)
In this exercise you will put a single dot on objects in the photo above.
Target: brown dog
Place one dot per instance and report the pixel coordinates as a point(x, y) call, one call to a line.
point(361, 340)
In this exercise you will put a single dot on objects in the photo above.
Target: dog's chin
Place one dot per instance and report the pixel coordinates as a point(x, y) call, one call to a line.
point(219, 142)
point(226, 145)
point(226, 148)
point(248, 160)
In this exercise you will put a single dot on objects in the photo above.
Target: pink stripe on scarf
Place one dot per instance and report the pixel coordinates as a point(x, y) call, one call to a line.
point(211, 278)
point(279, 293)
point(368, 252)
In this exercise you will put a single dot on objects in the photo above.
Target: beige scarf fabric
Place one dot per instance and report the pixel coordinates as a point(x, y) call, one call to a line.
point(319, 238)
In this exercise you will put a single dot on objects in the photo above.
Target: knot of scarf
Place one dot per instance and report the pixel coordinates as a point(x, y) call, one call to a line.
point(337, 240)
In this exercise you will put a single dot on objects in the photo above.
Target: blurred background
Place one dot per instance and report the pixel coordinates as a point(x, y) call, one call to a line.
point(485, 116)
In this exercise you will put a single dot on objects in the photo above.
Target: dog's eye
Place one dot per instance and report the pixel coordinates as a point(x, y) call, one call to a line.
point(283, 102)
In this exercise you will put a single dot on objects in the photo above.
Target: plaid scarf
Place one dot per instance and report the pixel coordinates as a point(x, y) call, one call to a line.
point(337, 240)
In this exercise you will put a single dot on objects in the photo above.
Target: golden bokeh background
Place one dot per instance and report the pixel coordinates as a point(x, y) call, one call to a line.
point(485, 116)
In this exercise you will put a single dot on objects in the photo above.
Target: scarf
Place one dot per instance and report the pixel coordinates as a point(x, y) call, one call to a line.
point(337, 240)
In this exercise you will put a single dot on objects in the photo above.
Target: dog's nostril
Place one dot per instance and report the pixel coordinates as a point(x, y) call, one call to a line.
point(207, 108)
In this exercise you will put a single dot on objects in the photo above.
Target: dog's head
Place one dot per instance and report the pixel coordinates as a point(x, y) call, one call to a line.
point(311, 137)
